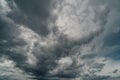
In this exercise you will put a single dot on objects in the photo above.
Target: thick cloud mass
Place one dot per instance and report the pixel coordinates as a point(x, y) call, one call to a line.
point(59, 40)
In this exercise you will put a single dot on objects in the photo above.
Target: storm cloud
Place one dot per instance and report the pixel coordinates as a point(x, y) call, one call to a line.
point(59, 39)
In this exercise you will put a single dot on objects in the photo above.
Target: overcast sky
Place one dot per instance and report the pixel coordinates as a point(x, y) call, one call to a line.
point(59, 40)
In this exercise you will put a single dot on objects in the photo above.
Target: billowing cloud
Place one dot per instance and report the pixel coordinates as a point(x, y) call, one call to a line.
point(59, 40)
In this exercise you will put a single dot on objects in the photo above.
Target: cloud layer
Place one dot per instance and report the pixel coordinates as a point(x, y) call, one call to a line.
point(59, 40)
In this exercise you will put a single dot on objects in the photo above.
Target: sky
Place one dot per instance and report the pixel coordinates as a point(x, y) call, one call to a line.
point(59, 40)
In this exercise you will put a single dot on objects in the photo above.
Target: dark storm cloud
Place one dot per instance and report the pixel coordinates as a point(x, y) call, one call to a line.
point(8, 34)
point(34, 14)
point(35, 8)
point(35, 20)
point(13, 46)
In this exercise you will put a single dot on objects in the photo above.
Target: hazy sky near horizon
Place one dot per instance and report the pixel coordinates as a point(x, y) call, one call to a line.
point(59, 40)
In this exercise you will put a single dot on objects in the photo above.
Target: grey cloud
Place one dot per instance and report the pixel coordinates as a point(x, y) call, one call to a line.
point(35, 8)
point(113, 78)
point(95, 77)
point(83, 52)
point(88, 56)
point(32, 13)
point(115, 71)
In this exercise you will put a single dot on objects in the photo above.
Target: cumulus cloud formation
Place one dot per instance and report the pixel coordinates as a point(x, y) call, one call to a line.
point(59, 39)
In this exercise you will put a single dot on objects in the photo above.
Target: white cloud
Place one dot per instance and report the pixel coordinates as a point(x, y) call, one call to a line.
point(110, 66)
point(75, 19)
point(4, 7)
point(79, 19)
point(63, 63)
point(32, 38)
